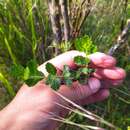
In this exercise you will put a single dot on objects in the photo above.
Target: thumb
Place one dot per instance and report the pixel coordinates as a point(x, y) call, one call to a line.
point(78, 92)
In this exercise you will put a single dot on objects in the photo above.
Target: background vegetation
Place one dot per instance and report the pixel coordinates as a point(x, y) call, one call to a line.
point(26, 39)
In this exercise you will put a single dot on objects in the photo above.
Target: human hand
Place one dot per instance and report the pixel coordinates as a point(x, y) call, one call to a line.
point(31, 108)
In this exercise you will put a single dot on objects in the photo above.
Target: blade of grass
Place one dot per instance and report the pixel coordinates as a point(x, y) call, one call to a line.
point(96, 117)
point(123, 92)
point(63, 120)
point(123, 100)
point(31, 19)
point(7, 85)
point(10, 51)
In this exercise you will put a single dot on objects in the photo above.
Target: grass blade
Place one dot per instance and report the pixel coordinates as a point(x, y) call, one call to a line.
point(7, 85)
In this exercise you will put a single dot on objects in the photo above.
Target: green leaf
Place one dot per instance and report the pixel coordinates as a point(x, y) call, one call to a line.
point(32, 65)
point(17, 71)
point(66, 71)
point(56, 83)
point(68, 82)
point(67, 75)
point(84, 71)
point(82, 79)
point(49, 79)
point(26, 73)
point(53, 81)
point(81, 61)
point(73, 74)
point(51, 69)
point(85, 44)
point(91, 71)
point(77, 75)
point(31, 74)
point(32, 80)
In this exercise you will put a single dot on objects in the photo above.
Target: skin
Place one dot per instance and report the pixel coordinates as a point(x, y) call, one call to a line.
point(31, 107)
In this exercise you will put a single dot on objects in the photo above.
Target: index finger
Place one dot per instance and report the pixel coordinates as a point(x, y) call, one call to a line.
point(61, 60)
point(97, 60)
point(101, 60)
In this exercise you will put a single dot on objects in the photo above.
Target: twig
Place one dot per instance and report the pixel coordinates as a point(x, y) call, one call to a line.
point(55, 19)
point(85, 14)
point(82, 13)
point(122, 38)
point(64, 12)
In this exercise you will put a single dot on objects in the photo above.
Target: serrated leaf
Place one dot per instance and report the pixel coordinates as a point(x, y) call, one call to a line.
point(31, 74)
point(68, 82)
point(81, 61)
point(91, 70)
point(56, 83)
point(82, 79)
point(85, 44)
point(77, 75)
point(32, 80)
point(73, 74)
point(51, 69)
point(66, 71)
point(49, 79)
point(84, 71)
point(53, 81)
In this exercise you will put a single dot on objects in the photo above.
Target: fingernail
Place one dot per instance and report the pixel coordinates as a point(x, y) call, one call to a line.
point(94, 84)
point(108, 61)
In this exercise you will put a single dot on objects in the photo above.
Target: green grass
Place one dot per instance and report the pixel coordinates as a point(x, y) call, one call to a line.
point(25, 35)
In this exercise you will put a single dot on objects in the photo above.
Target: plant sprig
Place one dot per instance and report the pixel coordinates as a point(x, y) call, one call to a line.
point(68, 75)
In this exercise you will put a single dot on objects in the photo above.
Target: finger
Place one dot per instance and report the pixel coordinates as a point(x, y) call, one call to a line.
point(24, 88)
point(102, 60)
point(78, 91)
point(97, 60)
point(39, 86)
point(114, 73)
point(97, 97)
point(61, 60)
point(110, 83)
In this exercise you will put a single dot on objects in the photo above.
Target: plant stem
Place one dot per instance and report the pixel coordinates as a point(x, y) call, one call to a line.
point(10, 51)
point(122, 38)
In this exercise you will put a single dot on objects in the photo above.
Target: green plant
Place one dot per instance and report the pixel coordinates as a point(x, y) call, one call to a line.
point(68, 75)
point(29, 74)
point(85, 44)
